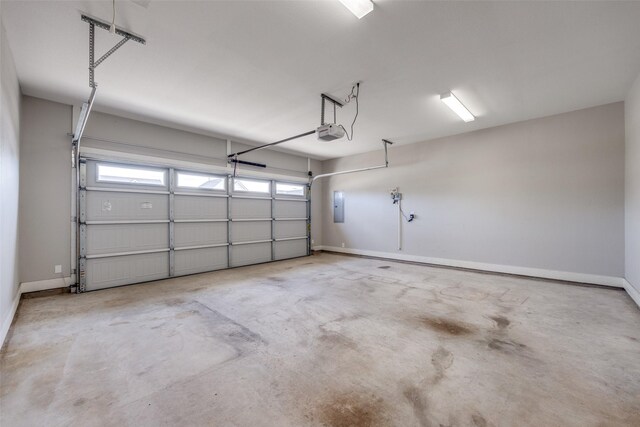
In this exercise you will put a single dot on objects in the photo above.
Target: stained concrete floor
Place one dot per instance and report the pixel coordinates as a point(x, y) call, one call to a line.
point(326, 340)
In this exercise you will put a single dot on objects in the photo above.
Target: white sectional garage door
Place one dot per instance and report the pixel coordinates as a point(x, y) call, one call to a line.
point(141, 223)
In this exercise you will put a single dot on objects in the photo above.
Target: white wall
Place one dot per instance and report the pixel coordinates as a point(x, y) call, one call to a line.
point(45, 208)
point(632, 191)
point(540, 195)
point(9, 178)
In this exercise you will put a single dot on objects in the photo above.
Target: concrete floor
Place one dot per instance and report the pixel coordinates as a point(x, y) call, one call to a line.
point(326, 340)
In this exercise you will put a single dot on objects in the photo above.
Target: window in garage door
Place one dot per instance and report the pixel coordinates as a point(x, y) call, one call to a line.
point(130, 175)
point(285, 189)
point(201, 181)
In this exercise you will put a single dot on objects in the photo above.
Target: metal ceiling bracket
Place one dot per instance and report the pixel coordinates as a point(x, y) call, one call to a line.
point(93, 64)
point(119, 31)
point(386, 143)
point(126, 36)
point(109, 52)
point(334, 101)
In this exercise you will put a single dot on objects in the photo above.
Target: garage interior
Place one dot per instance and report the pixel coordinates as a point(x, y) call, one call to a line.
point(331, 213)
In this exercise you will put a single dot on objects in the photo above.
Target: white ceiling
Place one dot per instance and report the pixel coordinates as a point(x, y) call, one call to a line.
point(255, 70)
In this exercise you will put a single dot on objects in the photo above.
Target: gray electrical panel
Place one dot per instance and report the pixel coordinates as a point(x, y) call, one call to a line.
point(338, 206)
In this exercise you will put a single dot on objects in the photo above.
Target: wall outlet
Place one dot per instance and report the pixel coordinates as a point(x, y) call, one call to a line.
point(343, 244)
point(312, 241)
point(57, 269)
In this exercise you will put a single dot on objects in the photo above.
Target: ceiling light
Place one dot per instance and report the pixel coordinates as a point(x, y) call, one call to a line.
point(358, 7)
point(457, 106)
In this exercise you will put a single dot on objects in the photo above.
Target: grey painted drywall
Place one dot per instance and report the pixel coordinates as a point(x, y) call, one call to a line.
point(111, 132)
point(45, 208)
point(132, 136)
point(545, 193)
point(9, 180)
point(632, 186)
point(45, 190)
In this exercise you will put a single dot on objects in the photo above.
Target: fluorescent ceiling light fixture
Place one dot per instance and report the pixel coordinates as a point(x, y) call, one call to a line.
point(457, 106)
point(358, 7)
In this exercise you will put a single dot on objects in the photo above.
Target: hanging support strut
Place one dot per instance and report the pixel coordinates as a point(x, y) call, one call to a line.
point(93, 64)
point(334, 101)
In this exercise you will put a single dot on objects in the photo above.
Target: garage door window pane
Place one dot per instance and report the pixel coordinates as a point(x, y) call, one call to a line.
point(289, 189)
point(251, 186)
point(130, 175)
point(202, 182)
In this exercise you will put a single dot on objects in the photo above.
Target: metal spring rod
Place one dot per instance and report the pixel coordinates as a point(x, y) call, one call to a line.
point(84, 117)
point(235, 155)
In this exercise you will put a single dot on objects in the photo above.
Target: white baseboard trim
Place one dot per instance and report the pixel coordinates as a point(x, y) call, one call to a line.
point(43, 285)
point(632, 291)
point(26, 287)
point(8, 319)
point(494, 268)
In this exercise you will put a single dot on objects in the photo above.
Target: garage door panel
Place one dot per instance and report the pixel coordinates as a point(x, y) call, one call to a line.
point(200, 207)
point(199, 233)
point(113, 206)
point(123, 270)
point(250, 208)
point(290, 249)
point(250, 231)
point(117, 238)
point(254, 253)
point(285, 229)
point(289, 209)
point(194, 261)
point(138, 226)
